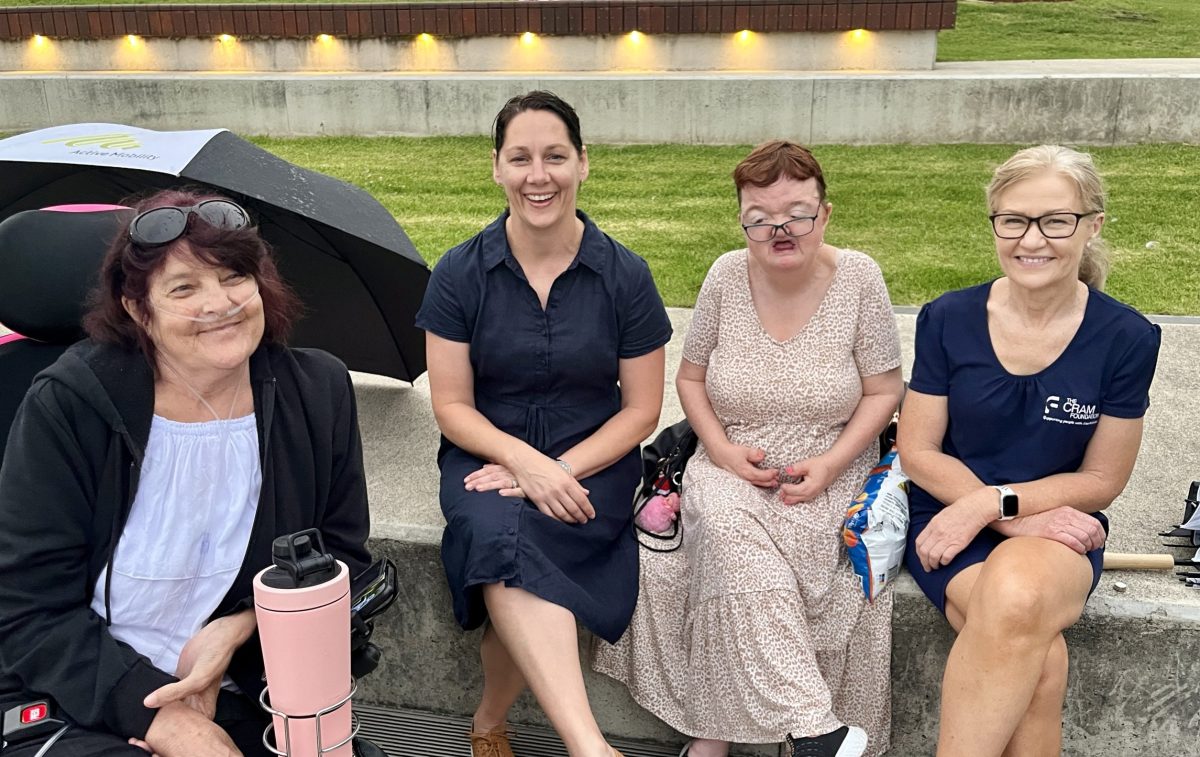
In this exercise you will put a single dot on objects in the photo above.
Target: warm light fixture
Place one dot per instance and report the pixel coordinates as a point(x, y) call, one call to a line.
point(424, 37)
point(324, 39)
point(226, 39)
point(635, 36)
point(744, 35)
point(858, 34)
point(528, 38)
point(39, 40)
point(133, 40)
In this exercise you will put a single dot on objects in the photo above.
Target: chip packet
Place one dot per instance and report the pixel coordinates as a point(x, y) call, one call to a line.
point(877, 524)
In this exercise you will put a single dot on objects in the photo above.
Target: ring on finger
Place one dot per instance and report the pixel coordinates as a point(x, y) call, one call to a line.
point(513, 484)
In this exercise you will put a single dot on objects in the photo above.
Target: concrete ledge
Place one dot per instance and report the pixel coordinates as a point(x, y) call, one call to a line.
point(1132, 688)
point(1117, 103)
point(1135, 655)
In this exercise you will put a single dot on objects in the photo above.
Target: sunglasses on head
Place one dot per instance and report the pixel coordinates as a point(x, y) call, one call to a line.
point(163, 225)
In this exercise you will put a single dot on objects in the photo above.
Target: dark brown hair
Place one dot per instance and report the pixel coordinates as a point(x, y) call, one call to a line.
point(127, 269)
point(537, 100)
point(774, 160)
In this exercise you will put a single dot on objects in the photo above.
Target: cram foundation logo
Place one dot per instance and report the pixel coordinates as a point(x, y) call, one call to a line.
point(1070, 411)
point(114, 141)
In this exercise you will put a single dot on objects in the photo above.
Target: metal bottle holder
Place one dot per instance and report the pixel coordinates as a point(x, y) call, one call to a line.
point(287, 737)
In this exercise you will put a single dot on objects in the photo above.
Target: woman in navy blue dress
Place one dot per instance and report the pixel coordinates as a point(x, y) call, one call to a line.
point(545, 343)
point(1022, 422)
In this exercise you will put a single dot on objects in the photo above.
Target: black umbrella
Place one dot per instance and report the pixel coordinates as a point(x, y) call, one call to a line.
point(358, 274)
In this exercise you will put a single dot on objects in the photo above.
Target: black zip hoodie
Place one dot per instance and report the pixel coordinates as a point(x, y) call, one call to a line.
point(68, 482)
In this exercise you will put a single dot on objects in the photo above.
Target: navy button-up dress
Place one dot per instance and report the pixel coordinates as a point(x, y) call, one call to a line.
point(548, 377)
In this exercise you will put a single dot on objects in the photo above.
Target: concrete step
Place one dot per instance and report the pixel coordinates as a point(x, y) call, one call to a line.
point(1073, 102)
point(1135, 676)
point(1133, 685)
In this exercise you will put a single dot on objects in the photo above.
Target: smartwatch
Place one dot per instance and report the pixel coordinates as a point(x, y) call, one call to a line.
point(1008, 502)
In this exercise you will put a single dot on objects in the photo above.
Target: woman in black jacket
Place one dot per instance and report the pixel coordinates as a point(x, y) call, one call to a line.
point(146, 475)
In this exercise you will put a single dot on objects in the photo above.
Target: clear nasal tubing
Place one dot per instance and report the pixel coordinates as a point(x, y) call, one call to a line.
point(209, 317)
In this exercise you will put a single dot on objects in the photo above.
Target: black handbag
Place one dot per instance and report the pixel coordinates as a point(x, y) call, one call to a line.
point(663, 462)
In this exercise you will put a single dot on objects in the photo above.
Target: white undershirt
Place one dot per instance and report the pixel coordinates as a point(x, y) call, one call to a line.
point(186, 536)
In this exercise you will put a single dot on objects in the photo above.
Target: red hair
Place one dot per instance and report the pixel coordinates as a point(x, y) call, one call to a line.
point(774, 160)
point(127, 269)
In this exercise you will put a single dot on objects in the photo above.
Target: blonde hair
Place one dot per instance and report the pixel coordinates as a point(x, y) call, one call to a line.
point(1081, 171)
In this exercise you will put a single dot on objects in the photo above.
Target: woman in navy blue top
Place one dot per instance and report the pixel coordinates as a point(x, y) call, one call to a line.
point(1022, 422)
point(545, 348)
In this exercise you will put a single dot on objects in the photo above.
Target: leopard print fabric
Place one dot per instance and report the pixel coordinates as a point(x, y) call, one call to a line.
point(757, 627)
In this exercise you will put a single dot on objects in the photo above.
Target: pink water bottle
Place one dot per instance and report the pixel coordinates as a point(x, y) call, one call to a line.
point(303, 609)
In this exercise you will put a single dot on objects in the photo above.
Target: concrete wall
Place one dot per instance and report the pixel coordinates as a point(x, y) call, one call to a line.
point(956, 103)
point(748, 51)
point(1131, 691)
point(1135, 654)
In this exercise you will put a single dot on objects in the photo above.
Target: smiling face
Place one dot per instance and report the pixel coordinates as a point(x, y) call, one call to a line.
point(1034, 261)
point(185, 289)
point(540, 170)
point(785, 200)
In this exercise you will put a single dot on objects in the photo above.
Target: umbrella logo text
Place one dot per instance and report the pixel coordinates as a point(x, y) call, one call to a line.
point(116, 141)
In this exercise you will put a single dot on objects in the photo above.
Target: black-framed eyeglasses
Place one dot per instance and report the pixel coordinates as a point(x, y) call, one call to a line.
point(163, 225)
point(1052, 225)
point(765, 232)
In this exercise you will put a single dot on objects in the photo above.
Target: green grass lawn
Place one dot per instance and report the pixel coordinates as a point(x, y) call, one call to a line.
point(918, 210)
point(1074, 29)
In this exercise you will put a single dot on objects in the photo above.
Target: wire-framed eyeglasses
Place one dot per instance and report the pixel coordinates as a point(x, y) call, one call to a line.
point(1052, 225)
point(765, 232)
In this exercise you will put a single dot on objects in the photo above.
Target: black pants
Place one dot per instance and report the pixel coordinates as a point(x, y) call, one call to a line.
point(238, 715)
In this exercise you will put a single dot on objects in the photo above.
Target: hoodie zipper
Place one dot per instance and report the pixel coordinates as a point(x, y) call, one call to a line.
point(117, 529)
point(268, 417)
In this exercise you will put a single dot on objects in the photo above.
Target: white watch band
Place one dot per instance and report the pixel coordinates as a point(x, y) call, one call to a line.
point(1004, 492)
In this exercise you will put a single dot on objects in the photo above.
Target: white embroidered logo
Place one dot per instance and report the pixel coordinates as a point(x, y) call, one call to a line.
point(1070, 411)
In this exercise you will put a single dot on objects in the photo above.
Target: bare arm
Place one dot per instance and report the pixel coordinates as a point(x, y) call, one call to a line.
point(1051, 507)
point(641, 404)
point(880, 396)
point(738, 460)
point(1107, 463)
point(919, 441)
point(452, 391)
point(538, 477)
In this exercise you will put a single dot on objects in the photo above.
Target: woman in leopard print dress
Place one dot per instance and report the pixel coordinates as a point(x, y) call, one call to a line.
point(757, 630)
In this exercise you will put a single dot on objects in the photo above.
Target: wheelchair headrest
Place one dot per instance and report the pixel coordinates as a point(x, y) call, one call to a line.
point(49, 261)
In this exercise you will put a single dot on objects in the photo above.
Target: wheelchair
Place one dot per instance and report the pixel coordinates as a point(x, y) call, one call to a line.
point(49, 260)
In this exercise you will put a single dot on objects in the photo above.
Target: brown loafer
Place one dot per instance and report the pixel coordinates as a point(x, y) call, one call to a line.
point(493, 743)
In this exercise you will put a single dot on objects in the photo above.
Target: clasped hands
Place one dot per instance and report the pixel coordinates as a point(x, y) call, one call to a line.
point(952, 529)
point(542, 481)
point(184, 724)
point(808, 478)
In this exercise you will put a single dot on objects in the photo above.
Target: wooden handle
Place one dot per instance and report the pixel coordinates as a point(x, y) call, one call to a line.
point(1123, 561)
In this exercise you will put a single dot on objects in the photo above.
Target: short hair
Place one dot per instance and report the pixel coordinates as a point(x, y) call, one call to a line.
point(537, 100)
point(1078, 168)
point(774, 160)
point(127, 269)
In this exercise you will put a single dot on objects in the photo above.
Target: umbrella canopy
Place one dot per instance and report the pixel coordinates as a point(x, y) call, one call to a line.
point(358, 274)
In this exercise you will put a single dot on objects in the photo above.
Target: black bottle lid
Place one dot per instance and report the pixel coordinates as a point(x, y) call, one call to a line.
point(300, 561)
